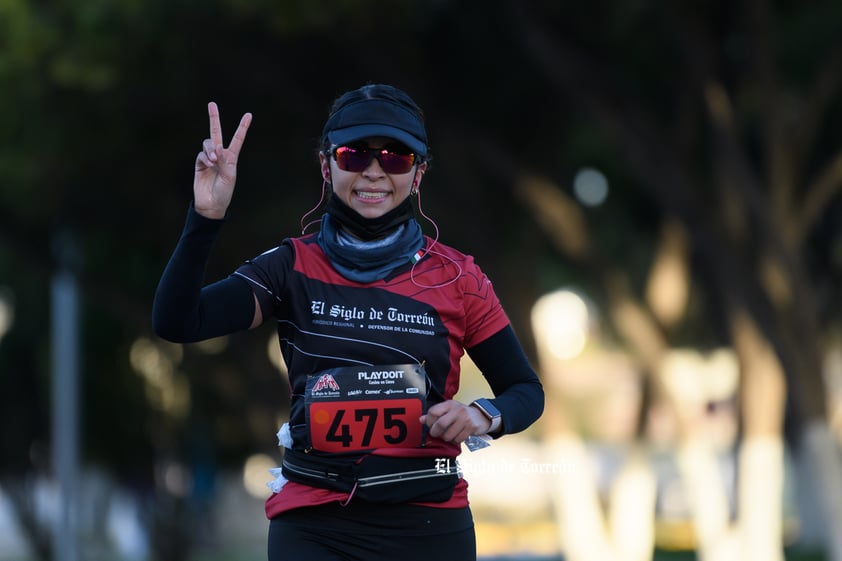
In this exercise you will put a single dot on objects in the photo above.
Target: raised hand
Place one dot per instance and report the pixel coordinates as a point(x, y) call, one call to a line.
point(216, 167)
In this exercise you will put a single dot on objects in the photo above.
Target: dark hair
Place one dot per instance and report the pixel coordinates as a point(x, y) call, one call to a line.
point(372, 91)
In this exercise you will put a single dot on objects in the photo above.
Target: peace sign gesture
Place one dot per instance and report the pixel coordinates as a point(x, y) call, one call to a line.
point(216, 167)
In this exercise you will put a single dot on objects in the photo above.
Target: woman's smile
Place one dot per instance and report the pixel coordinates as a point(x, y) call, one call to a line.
point(371, 192)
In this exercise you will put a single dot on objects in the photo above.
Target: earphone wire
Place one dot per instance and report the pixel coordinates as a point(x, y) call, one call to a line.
point(312, 210)
point(430, 251)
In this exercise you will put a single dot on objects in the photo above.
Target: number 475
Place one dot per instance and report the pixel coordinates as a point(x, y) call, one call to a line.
point(341, 432)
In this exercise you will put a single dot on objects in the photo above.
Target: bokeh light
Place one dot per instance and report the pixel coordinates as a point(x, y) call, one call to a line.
point(256, 475)
point(590, 187)
point(560, 320)
point(166, 387)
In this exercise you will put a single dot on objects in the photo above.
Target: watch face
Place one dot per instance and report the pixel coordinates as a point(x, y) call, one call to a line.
point(488, 408)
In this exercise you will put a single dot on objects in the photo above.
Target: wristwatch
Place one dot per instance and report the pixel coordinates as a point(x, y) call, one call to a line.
point(487, 408)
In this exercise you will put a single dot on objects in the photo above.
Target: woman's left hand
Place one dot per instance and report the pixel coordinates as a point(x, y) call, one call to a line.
point(453, 421)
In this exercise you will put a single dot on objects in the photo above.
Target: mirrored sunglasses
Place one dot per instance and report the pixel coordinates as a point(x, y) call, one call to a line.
point(357, 158)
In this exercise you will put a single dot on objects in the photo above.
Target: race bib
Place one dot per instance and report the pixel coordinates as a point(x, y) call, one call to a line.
point(352, 409)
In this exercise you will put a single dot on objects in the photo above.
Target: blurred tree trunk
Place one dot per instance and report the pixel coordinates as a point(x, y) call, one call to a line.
point(757, 532)
point(749, 232)
point(761, 456)
point(622, 530)
point(21, 491)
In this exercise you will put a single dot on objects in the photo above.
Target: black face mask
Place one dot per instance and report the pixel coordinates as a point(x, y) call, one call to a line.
point(368, 229)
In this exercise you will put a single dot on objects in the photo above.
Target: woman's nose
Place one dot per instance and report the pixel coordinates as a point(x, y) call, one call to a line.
point(374, 168)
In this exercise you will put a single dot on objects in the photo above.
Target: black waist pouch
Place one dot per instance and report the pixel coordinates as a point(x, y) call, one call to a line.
point(379, 479)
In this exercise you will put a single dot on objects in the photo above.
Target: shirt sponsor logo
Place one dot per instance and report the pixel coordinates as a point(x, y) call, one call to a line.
point(395, 318)
point(326, 382)
point(380, 375)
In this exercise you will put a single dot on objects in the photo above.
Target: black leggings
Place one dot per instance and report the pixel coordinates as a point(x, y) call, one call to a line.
point(371, 532)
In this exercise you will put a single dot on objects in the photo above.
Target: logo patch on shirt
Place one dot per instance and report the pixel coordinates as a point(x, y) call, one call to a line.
point(326, 382)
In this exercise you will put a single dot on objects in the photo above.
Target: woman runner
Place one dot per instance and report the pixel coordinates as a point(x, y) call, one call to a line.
point(372, 318)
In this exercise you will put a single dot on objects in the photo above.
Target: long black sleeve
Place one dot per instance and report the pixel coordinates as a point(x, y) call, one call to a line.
point(183, 311)
point(518, 392)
